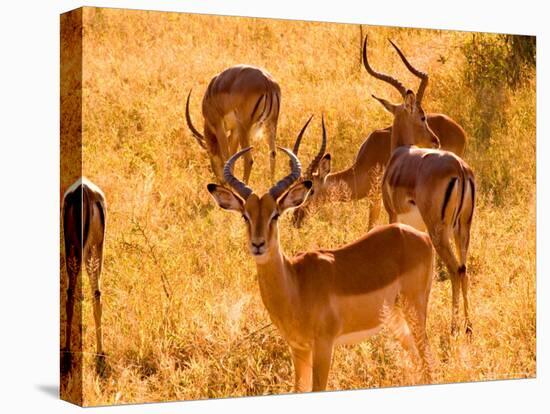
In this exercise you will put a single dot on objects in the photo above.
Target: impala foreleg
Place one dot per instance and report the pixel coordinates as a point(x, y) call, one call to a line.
point(234, 142)
point(322, 359)
point(271, 135)
point(392, 215)
point(223, 142)
point(374, 211)
point(216, 159)
point(244, 139)
point(302, 362)
point(93, 268)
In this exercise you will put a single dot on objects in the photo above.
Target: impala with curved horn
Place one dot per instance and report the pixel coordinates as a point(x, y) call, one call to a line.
point(431, 190)
point(332, 296)
point(362, 178)
point(239, 102)
point(451, 135)
point(353, 183)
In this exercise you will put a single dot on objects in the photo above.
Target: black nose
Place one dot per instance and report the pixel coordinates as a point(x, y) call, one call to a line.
point(258, 245)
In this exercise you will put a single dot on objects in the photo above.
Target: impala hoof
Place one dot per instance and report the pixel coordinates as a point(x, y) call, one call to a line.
point(442, 274)
point(101, 365)
point(469, 331)
point(66, 361)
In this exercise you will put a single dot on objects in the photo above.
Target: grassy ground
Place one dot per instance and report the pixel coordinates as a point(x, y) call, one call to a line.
point(210, 338)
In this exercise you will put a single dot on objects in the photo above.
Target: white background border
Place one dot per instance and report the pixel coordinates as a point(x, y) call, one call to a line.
point(29, 210)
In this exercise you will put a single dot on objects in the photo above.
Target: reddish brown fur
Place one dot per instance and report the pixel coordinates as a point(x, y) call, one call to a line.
point(360, 178)
point(250, 97)
point(418, 179)
point(320, 297)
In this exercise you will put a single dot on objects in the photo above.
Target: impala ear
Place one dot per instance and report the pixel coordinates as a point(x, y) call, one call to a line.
point(410, 101)
point(388, 105)
point(295, 196)
point(225, 198)
point(324, 166)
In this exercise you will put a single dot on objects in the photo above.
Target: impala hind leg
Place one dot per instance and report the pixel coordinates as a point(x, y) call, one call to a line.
point(302, 361)
point(409, 327)
point(322, 359)
point(94, 260)
point(401, 330)
point(423, 346)
point(73, 260)
point(415, 314)
point(440, 236)
point(462, 241)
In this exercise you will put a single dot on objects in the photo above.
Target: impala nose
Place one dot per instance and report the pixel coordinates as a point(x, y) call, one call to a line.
point(258, 247)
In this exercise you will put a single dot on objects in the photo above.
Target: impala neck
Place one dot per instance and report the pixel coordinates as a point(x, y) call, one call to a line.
point(351, 180)
point(400, 133)
point(276, 286)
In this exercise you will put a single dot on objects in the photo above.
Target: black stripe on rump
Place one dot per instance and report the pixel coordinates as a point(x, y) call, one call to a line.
point(447, 196)
point(256, 106)
point(459, 209)
point(473, 188)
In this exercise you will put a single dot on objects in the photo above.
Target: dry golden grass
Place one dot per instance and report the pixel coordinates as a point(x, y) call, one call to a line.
point(210, 339)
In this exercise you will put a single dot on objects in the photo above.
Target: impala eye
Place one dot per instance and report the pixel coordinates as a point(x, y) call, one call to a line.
point(423, 119)
point(275, 217)
point(245, 218)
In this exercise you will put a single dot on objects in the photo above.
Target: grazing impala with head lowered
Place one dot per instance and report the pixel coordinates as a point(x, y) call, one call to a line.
point(362, 178)
point(431, 190)
point(238, 103)
point(326, 297)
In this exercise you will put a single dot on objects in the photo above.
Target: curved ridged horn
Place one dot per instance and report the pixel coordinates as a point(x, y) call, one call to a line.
point(315, 162)
point(422, 75)
point(299, 139)
point(296, 169)
point(386, 78)
point(241, 188)
point(198, 136)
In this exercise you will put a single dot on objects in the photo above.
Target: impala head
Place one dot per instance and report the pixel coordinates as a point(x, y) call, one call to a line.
point(261, 213)
point(317, 173)
point(409, 122)
point(410, 115)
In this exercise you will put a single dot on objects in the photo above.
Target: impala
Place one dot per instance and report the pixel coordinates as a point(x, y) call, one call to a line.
point(326, 297)
point(84, 214)
point(362, 178)
point(431, 190)
point(239, 102)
